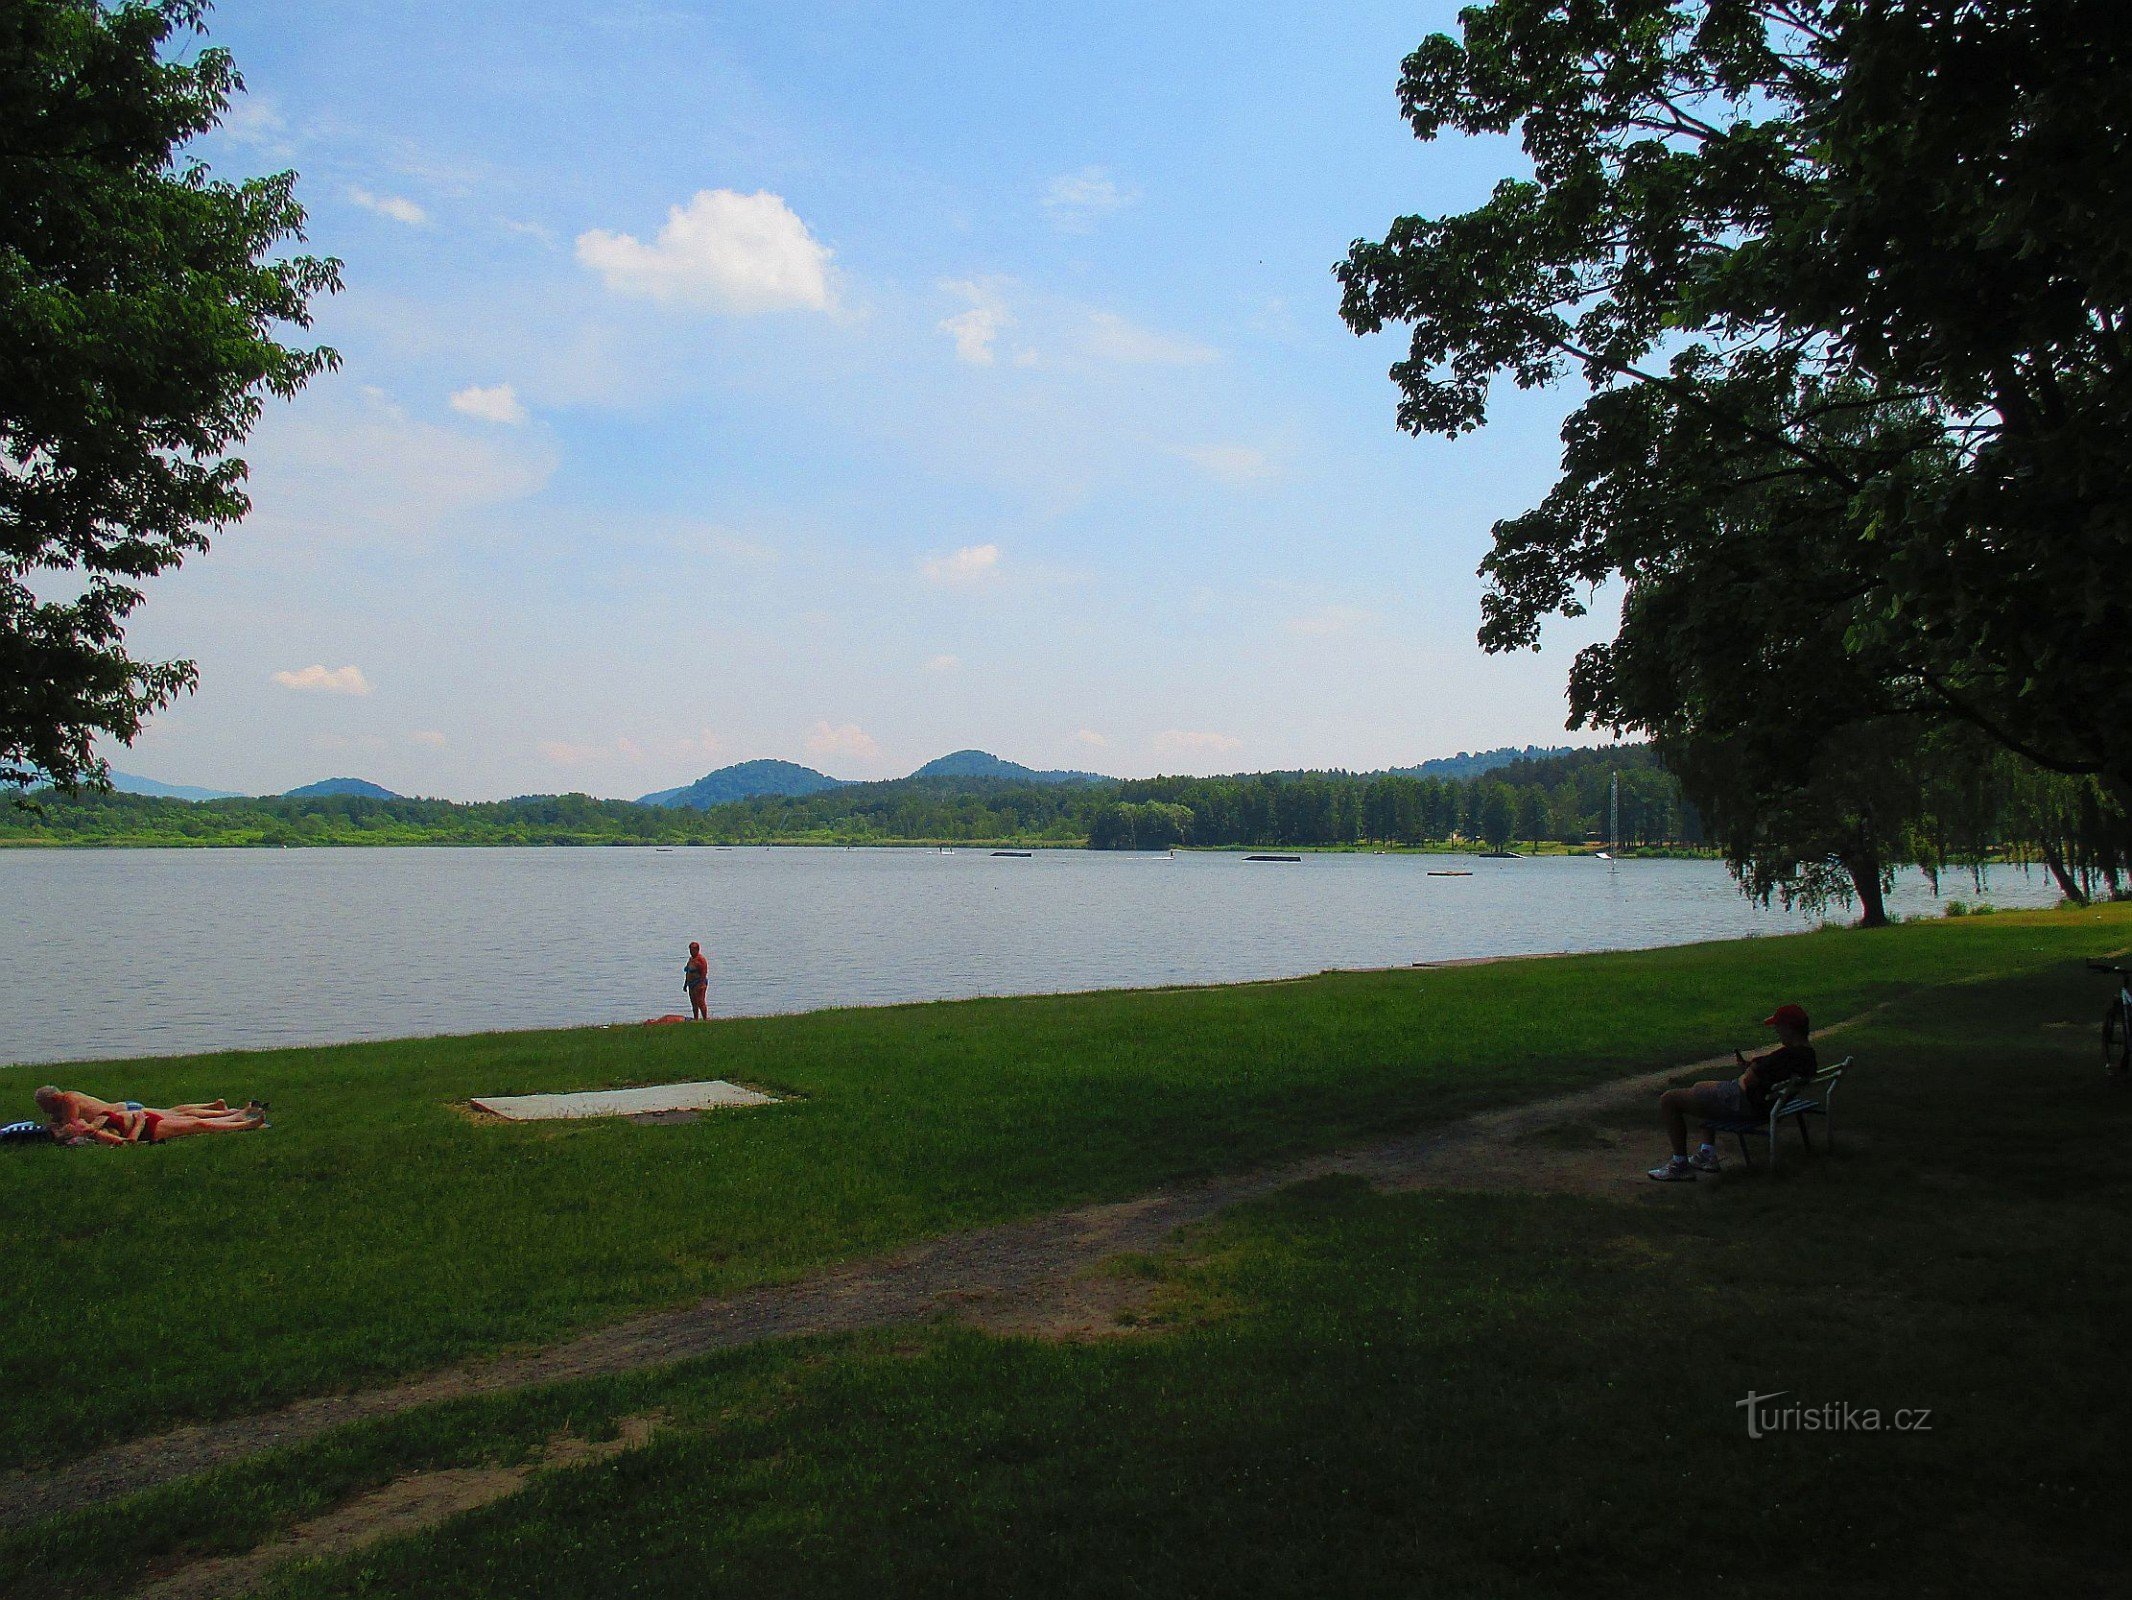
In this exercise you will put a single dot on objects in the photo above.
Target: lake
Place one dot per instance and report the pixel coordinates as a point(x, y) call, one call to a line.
point(151, 952)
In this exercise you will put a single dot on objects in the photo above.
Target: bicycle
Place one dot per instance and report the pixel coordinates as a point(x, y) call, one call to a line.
point(2117, 1022)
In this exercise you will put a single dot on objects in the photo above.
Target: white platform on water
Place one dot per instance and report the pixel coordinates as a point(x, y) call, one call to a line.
point(622, 1102)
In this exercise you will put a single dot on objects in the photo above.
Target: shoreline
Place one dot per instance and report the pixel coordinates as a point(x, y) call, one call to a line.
point(1522, 851)
point(863, 1007)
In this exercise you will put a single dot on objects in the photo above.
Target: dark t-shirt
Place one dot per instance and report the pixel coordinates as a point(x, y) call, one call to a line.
point(1765, 1072)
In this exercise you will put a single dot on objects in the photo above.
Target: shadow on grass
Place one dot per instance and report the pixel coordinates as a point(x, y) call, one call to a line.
point(1369, 1393)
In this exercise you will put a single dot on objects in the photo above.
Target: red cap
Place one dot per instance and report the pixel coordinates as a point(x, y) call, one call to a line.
point(1787, 1017)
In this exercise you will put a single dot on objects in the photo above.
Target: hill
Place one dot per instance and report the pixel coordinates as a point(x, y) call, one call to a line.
point(133, 783)
point(984, 764)
point(361, 787)
point(1464, 765)
point(748, 780)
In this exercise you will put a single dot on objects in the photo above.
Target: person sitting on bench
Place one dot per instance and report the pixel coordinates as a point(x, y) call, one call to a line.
point(1738, 1099)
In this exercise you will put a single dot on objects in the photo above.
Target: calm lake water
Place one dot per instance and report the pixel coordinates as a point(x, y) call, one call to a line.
point(148, 952)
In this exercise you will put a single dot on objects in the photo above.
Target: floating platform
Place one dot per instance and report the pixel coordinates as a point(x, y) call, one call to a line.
point(659, 1097)
point(1273, 858)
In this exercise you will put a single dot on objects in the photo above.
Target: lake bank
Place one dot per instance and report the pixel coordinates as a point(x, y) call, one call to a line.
point(384, 1235)
point(387, 1233)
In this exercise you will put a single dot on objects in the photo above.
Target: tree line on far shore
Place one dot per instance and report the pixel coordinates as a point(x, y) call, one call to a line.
point(1562, 799)
point(1946, 805)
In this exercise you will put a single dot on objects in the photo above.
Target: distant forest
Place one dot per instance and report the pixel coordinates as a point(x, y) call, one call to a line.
point(1560, 798)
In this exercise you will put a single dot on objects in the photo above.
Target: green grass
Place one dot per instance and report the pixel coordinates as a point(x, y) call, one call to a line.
point(376, 1231)
point(1371, 1394)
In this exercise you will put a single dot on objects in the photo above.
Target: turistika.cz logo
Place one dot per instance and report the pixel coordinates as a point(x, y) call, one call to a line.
point(1831, 1416)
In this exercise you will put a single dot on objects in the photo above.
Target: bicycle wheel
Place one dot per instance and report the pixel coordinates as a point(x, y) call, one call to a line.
point(2116, 1041)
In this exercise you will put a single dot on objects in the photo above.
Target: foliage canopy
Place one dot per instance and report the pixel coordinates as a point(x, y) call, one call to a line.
point(1849, 280)
point(139, 299)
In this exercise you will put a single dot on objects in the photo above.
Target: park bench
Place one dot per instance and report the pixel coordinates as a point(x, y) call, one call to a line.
point(1795, 1100)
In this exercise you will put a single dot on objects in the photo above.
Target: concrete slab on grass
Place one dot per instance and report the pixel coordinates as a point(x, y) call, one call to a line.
point(658, 1097)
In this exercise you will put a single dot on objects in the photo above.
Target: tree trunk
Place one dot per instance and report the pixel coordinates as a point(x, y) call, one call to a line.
point(1865, 878)
point(2054, 858)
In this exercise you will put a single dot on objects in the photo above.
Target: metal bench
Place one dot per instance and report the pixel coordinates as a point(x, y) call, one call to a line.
point(1795, 1100)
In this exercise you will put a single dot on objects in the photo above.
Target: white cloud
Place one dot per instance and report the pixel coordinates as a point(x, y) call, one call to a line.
point(499, 404)
point(847, 740)
point(973, 563)
point(705, 744)
point(1328, 622)
point(566, 754)
point(723, 250)
point(977, 329)
point(974, 331)
point(1183, 742)
point(1091, 738)
point(710, 542)
point(358, 467)
point(944, 664)
point(390, 205)
point(1232, 463)
point(319, 680)
point(1074, 200)
point(429, 738)
point(252, 119)
point(1112, 338)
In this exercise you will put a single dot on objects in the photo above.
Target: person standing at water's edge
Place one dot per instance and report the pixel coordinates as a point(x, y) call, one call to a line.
point(696, 979)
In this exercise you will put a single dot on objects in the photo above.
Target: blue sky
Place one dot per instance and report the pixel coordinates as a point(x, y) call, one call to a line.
point(847, 383)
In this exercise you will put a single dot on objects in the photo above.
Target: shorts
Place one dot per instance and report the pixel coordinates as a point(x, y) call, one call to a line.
point(1723, 1102)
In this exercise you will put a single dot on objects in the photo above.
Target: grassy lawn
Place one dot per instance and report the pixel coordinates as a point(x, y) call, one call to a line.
point(1352, 1392)
point(376, 1231)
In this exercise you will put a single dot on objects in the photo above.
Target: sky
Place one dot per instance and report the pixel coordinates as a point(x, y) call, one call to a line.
point(847, 383)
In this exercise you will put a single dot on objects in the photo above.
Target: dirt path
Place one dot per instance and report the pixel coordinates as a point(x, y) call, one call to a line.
point(1023, 1277)
point(406, 1505)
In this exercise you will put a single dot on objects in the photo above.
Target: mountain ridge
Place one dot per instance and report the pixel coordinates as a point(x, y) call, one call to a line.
point(361, 787)
point(155, 788)
point(975, 763)
point(744, 780)
point(1465, 765)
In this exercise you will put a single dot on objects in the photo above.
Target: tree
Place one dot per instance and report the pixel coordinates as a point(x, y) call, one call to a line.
point(1153, 825)
point(1498, 815)
point(1845, 249)
point(1533, 819)
point(139, 299)
point(2079, 833)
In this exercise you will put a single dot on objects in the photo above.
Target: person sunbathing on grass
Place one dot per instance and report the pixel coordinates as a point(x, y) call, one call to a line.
point(1734, 1099)
point(76, 1118)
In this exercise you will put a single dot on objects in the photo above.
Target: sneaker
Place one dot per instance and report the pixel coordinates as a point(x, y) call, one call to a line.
point(1676, 1170)
point(1706, 1161)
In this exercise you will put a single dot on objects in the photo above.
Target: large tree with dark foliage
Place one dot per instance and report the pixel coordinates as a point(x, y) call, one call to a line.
point(1850, 281)
point(139, 302)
